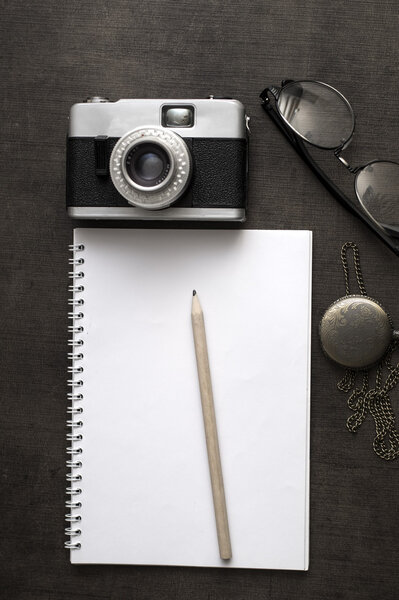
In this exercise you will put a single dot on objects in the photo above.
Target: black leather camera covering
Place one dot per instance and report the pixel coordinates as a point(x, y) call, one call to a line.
point(218, 178)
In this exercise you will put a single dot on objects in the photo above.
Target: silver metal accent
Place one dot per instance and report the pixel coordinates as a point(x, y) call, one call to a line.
point(73, 397)
point(76, 302)
point(71, 518)
point(71, 410)
point(71, 477)
point(75, 369)
point(72, 315)
point(73, 356)
point(74, 437)
point(72, 546)
point(73, 491)
point(72, 532)
point(73, 329)
point(74, 275)
point(74, 423)
point(75, 383)
point(95, 99)
point(74, 464)
point(75, 343)
point(347, 327)
point(74, 451)
point(220, 118)
point(247, 120)
point(344, 162)
point(168, 214)
point(72, 504)
point(165, 193)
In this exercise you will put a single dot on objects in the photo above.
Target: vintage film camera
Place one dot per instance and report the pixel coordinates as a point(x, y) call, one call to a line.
point(152, 159)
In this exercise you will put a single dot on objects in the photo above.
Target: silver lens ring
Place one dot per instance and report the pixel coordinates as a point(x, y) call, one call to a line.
point(162, 194)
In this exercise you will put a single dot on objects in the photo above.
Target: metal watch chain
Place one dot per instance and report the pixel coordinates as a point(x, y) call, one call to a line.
point(363, 399)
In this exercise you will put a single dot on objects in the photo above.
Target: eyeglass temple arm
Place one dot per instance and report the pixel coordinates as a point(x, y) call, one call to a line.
point(299, 147)
point(268, 107)
point(344, 200)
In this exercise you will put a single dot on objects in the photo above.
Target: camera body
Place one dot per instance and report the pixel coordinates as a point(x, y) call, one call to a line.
point(158, 160)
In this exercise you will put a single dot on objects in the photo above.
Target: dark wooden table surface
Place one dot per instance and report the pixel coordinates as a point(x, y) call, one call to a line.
point(55, 54)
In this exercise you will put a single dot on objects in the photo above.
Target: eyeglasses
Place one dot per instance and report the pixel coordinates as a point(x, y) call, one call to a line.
point(318, 114)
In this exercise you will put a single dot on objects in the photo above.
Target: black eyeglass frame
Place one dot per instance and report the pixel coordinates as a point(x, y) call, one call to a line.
point(297, 142)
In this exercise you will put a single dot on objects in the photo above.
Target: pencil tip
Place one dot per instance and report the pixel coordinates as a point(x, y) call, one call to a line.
point(194, 292)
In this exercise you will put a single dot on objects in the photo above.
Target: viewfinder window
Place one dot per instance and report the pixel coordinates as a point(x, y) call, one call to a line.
point(178, 116)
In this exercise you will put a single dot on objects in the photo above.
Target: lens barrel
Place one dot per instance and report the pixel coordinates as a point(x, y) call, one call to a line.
point(151, 167)
point(148, 164)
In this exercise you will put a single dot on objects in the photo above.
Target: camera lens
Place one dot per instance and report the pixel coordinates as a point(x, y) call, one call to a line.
point(148, 164)
point(150, 167)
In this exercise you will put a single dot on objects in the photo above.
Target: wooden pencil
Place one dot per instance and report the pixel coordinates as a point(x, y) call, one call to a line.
point(212, 444)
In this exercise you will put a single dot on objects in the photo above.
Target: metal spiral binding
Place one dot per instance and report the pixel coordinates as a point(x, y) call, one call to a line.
point(74, 424)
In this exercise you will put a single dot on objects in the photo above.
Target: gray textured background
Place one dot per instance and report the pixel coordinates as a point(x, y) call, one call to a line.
point(55, 54)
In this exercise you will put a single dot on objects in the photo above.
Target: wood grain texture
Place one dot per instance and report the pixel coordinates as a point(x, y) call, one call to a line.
point(210, 426)
point(55, 54)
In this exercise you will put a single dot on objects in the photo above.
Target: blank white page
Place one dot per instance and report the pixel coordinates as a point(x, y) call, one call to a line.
point(146, 494)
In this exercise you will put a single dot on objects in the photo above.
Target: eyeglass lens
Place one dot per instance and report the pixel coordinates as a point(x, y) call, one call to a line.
point(323, 117)
point(377, 187)
point(316, 112)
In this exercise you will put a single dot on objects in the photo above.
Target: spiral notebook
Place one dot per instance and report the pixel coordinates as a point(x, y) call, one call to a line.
point(139, 489)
